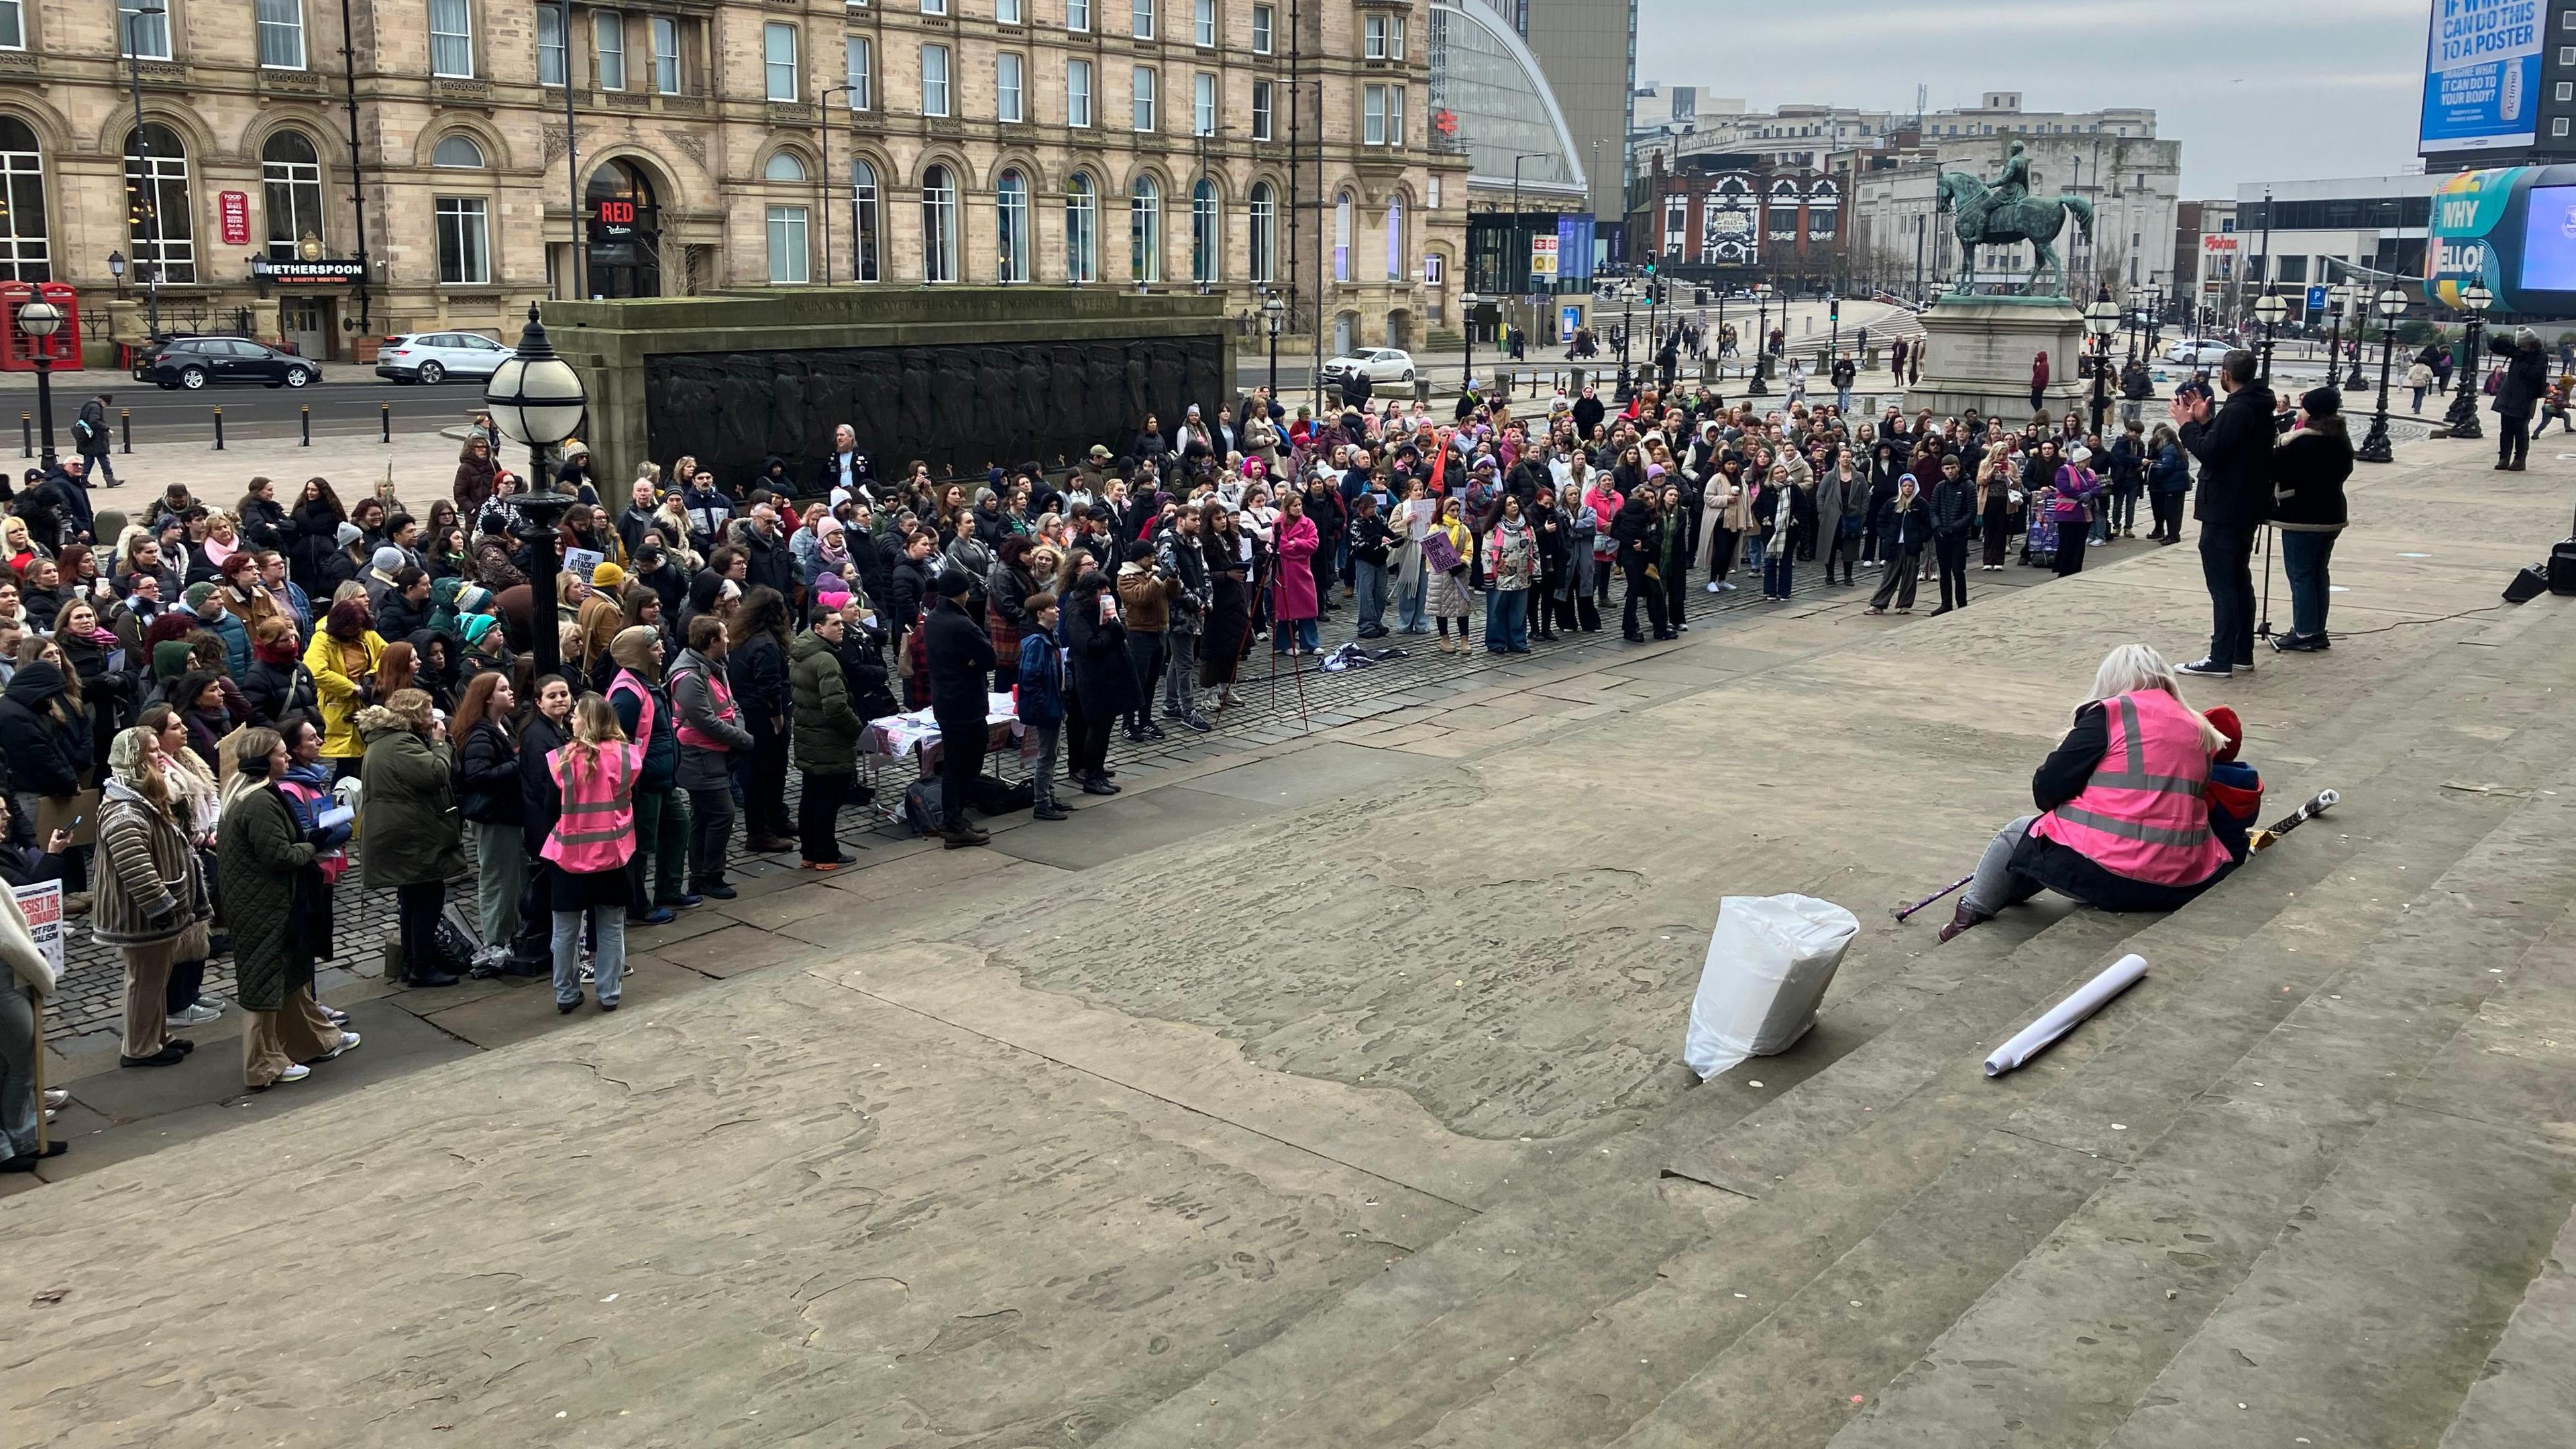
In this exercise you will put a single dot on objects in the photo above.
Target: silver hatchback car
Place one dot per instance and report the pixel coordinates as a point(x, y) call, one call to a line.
point(437, 356)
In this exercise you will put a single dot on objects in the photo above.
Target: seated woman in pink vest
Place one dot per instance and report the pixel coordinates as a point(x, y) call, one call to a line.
point(2123, 825)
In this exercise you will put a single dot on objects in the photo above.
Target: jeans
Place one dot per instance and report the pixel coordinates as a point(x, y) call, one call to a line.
point(1042, 779)
point(2167, 507)
point(1996, 885)
point(1507, 620)
point(2418, 405)
point(818, 817)
point(662, 846)
point(710, 831)
point(1180, 673)
point(2124, 510)
point(1304, 631)
point(21, 1114)
point(2226, 566)
point(2304, 557)
point(607, 956)
point(500, 873)
point(1777, 569)
point(1145, 657)
point(1369, 583)
point(1409, 604)
point(95, 466)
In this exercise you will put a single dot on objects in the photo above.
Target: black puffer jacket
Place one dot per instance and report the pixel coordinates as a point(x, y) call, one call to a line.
point(2526, 377)
point(2308, 473)
point(488, 784)
point(46, 756)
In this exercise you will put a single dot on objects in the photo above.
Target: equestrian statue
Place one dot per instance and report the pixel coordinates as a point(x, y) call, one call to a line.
point(2007, 213)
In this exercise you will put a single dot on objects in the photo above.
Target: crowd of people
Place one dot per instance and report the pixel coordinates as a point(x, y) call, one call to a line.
point(214, 711)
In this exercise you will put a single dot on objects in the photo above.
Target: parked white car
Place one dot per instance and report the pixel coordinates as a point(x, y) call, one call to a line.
point(2198, 354)
point(1377, 364)
point(437, 356)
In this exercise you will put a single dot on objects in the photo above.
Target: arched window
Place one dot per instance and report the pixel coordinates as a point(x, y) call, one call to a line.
point(25, 255)
point(783, 166)
point(160, 221)
point(1081, 230)
point(1395, 239)
point(458, 150)
point(1144, 231)
point(863, 221)
point(1204, 232)
point(291, 171)
point(939, 225)
point(1011, 226)
point(1262, 241)
point(1342, 239)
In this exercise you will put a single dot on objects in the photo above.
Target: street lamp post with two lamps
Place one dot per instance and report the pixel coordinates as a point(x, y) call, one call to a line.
point(2462, 419)
point(2374, 448)
point(2101, 319)
point(537, 401)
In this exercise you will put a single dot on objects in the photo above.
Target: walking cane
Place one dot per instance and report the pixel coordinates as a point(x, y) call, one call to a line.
point(1901, 912)
point(44, 1133)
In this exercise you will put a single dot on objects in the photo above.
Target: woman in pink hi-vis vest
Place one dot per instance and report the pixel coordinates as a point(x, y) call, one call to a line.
point(592, 839)
point(2123, 822)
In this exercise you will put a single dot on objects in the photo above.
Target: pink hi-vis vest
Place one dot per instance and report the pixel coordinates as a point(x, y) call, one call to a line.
point(698, 739)
point(643, 704)
point(2142, 814)
point(596, 831)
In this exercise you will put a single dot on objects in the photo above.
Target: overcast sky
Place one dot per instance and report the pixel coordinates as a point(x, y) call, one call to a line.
point(2271, 90)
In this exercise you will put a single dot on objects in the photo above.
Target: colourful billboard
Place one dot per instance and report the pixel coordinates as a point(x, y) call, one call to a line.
point(2481, 76)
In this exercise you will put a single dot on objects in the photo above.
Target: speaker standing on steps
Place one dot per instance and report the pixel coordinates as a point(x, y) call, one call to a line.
point(2234, 445)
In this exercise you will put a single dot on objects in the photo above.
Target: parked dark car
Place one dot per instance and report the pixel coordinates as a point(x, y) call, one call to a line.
point(195, 362)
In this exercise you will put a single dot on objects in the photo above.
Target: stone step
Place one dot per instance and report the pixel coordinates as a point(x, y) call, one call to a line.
point(2066, 1348)
point(2527, 1393)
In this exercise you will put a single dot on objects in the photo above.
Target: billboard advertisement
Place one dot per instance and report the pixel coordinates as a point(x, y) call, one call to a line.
point(2481, 76)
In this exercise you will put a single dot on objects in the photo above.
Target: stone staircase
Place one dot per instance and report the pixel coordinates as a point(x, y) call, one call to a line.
point(2304, 1184)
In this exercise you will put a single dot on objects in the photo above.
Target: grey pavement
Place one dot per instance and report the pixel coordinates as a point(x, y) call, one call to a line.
point(1323, 1091)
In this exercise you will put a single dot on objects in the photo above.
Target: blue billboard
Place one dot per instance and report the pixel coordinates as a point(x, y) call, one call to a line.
point(2481, 76)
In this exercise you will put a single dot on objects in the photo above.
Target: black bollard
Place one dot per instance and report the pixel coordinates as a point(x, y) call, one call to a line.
point(125, 420)
point(306, 423)
point(219, 430)
point(384, 422)
point(26, 435)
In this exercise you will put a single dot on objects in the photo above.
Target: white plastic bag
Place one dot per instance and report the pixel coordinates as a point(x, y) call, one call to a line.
point(1769, 962)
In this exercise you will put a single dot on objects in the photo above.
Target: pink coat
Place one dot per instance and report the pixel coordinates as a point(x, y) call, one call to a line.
point(1296, 596)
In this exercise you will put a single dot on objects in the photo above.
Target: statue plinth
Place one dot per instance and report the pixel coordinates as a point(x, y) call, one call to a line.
point(1978, 352)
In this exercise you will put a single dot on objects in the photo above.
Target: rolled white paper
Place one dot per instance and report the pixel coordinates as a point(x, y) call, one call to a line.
point(2060, 1019)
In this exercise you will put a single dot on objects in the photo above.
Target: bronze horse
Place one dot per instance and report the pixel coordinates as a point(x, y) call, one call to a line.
point(2034, 219)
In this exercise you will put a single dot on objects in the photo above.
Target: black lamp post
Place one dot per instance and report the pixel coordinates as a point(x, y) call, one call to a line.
point(1272, 310)
point(536, 400)
point(2353, 377)
point(2101, 319)
point(2374, 448)
point(2462, 420)
point(40, 320)
point(1467, 370)
point(2269, 312)
point(2338, 297)
point(1760, 386)
point(1627, 314)
point(116, 269)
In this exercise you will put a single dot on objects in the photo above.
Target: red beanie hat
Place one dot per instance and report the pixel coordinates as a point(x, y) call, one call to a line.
point(2230, 726)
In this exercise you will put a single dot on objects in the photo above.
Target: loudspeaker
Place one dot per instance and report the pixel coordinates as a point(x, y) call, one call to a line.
point(2527, 585)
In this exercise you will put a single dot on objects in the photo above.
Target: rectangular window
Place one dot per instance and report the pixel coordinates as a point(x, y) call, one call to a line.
point(1382, 116)
point(788, 262)
point(2566, 54)
point(550, 45)
point(148, 36)
point(281, 33)
point(2567, 89)
point(666, 55)
point(1144, 19)
point(1434, 268)
point(1077, 14)
point(861, 77)
point(608, 32)
point(13, 36)
point(1077, 93)
point(2558, 127)
point(934, 80)
point(1006, 86)
point(464, 241)
point(1203, 104)
point(1203, 22)
point(1142, 84)
point(1432, 195)
point(1383, 38)
point(1007, 11)
point(451, 38)
point(934, 7)
point(1261, 110)
point(1261, 15)
point(778, 60)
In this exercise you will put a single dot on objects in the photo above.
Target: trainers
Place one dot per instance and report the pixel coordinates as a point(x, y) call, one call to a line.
point(1197, 723)
point(348, 1043)
point(2244, 666)
point(718, 891)
point(658, 916)
point(2208, 669)
point(1050, 810)
point(690, 901)
point(168, 1056)
point(295, 1072)
point(195, 1015)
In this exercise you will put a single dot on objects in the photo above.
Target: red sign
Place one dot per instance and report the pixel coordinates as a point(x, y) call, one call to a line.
point(235, 207)
point(617, 213)
point(2217, 243)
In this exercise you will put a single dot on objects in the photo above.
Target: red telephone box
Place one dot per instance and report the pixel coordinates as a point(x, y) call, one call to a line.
point(18, 351)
